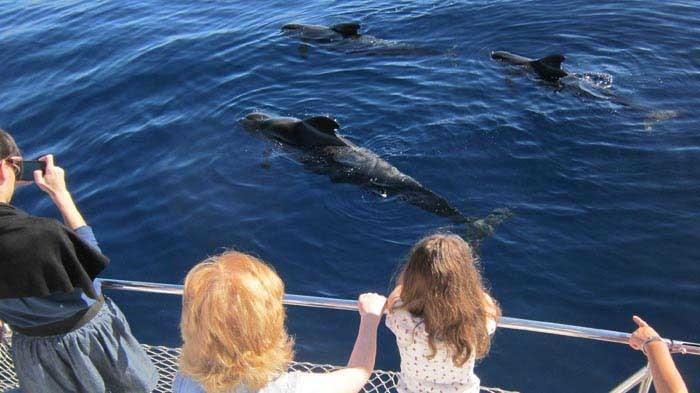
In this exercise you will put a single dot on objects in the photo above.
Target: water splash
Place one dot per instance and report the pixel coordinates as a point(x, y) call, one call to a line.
point(599, 80)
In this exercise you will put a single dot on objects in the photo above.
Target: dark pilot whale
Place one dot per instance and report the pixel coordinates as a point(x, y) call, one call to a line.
point(324, 34)
point(549, 69)
point(328, 153)
point(347, 37)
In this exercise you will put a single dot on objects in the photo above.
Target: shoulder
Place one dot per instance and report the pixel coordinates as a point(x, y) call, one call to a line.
point(404, 325)
point(34, 230)
point(290, 382)
point(185, 384)
point(45, 226)
point(395, 317)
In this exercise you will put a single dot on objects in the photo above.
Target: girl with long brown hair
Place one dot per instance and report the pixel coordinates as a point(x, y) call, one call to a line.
point(442, 316)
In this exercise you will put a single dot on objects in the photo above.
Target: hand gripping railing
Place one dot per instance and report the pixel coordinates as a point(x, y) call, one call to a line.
point(641, 377)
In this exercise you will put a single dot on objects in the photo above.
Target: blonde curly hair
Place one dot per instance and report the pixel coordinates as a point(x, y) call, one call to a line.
point(233, 324)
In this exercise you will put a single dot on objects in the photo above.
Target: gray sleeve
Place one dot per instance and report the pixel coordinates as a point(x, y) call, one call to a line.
point(85, 232)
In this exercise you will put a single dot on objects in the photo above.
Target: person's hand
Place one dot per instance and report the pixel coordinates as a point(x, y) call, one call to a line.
point(53, 181)
point(371, 306)
point(643, 332)
point(394, 297)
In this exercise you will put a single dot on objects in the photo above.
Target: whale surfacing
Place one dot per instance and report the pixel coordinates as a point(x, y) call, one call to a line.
point(324, 34)
point(326, 152)
point(588, 84)
point(547, 68)
point(346, 37)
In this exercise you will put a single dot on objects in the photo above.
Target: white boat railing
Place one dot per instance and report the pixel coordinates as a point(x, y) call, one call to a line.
point(558, 329)
point(641, 379)
point(165, 358)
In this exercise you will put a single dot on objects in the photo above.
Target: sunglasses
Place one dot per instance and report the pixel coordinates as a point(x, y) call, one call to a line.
point(16, 164)
point(24, 169)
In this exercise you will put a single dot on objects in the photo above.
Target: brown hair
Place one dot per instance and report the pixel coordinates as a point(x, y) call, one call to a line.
point(233, 323)
point(8, 147)
point(443, 286)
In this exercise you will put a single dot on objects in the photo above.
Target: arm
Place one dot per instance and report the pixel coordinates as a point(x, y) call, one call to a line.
point(361, 363)
point(667, 379)
point(53, 183)
point(395, 295)
point(71, 216)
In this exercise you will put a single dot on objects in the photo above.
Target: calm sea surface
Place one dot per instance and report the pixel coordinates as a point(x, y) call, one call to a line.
point(140, 102)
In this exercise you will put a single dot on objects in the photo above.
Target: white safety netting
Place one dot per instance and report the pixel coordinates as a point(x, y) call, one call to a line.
point(165, 359)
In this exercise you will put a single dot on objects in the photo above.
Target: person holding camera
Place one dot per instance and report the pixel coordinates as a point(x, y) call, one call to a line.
point(67, 337)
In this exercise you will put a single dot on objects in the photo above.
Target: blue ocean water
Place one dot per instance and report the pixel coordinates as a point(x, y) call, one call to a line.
point(139, 101)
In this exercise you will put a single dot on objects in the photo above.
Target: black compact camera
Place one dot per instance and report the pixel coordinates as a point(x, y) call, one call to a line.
point(27, 168)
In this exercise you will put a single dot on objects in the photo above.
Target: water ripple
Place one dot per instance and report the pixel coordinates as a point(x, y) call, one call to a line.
point(140, 102)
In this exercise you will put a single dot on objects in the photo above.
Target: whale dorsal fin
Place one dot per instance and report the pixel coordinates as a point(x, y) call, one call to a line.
point(549, 67)
point(348, 29)
point(323, 123)
point(553, 61)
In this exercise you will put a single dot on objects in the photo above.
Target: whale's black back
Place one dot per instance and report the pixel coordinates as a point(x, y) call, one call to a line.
point(549, 67)
point(322, 151)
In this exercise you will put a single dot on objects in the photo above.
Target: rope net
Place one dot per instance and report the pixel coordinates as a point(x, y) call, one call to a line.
point(165, 359)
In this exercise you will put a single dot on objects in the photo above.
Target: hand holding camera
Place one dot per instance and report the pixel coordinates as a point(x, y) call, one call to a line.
point(27, 168)
point(52, 179)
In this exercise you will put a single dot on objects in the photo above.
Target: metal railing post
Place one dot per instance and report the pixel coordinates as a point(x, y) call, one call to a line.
point(629, 383)
point(645, 385)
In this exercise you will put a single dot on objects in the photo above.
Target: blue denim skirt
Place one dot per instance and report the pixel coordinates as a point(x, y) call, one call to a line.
point(101, 356)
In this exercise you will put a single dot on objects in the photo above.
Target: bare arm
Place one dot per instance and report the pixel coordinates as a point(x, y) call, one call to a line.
point(69, 211)
point(394, 296)
point(365, 349)
point(53, 182)
point(667, 379)
point(361, 364)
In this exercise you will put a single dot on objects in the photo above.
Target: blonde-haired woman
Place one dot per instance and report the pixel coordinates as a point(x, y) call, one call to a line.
point(442, 317)
point(235, 339)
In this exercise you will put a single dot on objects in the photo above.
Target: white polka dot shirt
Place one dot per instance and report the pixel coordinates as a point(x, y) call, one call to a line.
point(420, 374)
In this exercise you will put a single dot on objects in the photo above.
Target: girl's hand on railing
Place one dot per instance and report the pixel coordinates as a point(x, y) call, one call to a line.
point(352, 378)
point(642, 335)
point(371, 306)
point(664, 373)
